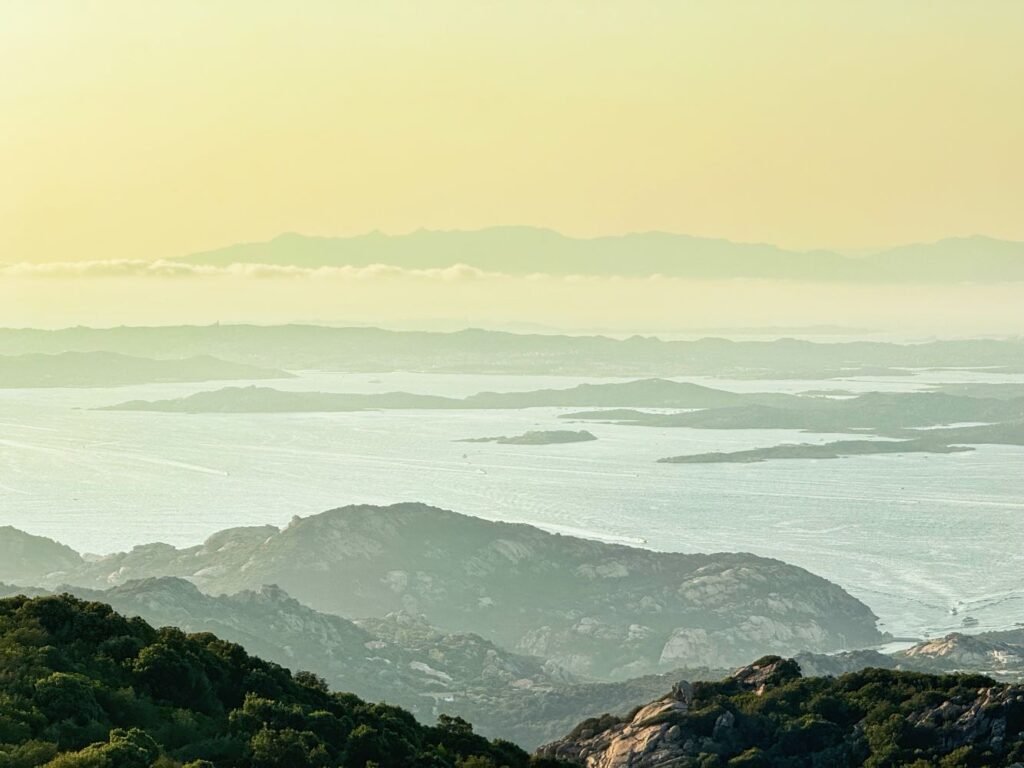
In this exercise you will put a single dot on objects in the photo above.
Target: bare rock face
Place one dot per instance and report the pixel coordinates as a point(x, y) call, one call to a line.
point(983, 720)
point(760, 675)
point(657, 735)
point(648, 738)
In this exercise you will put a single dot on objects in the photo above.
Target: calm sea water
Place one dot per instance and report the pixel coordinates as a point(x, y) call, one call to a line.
point(912, 536)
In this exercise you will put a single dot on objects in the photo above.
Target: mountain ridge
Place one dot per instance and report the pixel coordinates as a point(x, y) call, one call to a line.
point(298, 347)
point(525, 250)
point(601, 610)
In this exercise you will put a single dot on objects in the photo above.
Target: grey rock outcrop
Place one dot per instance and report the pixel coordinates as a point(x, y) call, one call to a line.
point(723, 724)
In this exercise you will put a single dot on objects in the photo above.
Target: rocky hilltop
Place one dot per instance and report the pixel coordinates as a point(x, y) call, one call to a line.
point(767, 715)
point(32, 559)
point(601, 610)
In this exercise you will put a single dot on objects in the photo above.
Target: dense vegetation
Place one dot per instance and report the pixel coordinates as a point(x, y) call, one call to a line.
point(873, 717)
point(769, 716)
point(83, 687)
point(413, 665)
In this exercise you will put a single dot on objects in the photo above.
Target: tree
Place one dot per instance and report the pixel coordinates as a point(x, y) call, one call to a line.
point(287, 748)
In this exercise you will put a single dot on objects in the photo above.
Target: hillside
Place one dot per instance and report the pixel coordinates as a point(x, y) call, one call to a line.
point(597, 609)
point(83, 687)
point(399, 659)
point(837, 450)
point(30, 559)
point(767, 716)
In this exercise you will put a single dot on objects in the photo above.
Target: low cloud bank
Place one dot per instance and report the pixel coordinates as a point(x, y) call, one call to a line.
point(132, 292)
point(177, 269)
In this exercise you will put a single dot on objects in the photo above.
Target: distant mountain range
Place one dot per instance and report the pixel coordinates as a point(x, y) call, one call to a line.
point(308, 347)
point(525, 250)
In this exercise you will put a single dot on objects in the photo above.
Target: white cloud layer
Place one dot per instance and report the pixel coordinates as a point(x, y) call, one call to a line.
point(134, 292)
point(176, 269)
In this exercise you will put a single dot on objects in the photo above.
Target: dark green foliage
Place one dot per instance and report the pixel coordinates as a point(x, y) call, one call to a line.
point(83, 687)
point(870, 718)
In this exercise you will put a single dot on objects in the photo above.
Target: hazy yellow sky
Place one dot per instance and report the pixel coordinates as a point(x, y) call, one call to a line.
point(135, 129)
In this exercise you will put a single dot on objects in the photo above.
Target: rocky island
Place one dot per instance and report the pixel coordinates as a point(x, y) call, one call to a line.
point(540, 437)
point(648, 393)
point(836, 450)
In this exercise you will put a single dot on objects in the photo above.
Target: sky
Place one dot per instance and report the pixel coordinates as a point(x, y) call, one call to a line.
point(154, 129)
point(150, 130)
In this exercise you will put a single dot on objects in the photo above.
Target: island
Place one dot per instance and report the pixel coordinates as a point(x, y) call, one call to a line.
point(540, 437)
point(678, 404)
point(883, 413)
point(942, 440)
point(646, 393)
point(836, 450)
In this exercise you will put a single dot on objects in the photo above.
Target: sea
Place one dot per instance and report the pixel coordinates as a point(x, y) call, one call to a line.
point(927, 541)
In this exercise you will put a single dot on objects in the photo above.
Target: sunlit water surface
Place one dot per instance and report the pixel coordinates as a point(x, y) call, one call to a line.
point(914, 536)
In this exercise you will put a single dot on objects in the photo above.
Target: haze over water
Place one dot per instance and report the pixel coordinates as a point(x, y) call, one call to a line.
point(103, 481)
